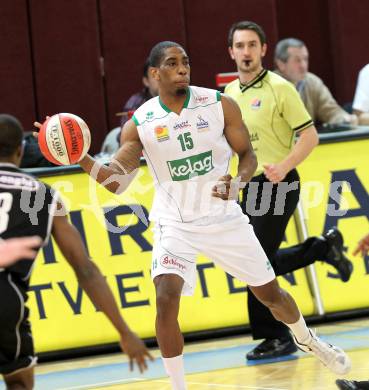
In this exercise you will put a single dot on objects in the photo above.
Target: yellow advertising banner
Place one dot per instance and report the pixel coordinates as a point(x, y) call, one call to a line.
point(336, 193)
point(119, 239)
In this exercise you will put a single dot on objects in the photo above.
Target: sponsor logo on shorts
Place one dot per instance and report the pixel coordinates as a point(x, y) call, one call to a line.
point(181, 125)
point(255, 104)
point(171, 262)
point(161, 133)
point(192, 166)
point(202, 124)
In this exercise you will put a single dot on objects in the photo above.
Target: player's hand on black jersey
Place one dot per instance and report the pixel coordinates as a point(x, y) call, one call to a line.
point(13, 249)
point(136, 350)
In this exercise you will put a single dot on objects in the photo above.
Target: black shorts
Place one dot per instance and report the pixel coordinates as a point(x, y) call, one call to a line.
point(16, 343)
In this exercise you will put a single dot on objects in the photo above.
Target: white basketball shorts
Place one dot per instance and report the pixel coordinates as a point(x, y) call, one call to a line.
point(230, 243)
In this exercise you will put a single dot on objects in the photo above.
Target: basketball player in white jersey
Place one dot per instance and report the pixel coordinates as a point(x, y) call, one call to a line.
point(187, 135)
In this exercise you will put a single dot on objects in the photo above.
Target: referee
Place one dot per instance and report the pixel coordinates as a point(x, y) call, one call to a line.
point(275, 117)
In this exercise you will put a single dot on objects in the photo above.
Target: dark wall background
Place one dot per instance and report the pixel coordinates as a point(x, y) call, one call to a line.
point(86, 56)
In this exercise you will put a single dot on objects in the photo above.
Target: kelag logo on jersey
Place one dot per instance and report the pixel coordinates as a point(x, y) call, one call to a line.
point(188, 167)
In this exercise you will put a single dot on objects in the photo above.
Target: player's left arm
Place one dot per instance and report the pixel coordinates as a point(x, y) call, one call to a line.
point(94, 284)
point(238, 138)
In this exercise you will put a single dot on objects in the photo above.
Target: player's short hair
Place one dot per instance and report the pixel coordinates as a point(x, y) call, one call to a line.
point(11, 135)
point(281, 50)
point(157, 52)
point(146, 68)
point(246, 25)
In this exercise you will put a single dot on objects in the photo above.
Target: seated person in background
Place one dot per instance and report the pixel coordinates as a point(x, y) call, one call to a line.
point(32, 156)
point(112, 140)
point(361, 99)
point(292, 62)
point(149, 91)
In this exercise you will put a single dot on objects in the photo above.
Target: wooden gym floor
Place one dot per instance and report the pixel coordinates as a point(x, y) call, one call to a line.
point(215, 365)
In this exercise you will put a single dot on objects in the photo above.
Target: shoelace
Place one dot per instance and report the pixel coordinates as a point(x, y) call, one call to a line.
point(321, 349)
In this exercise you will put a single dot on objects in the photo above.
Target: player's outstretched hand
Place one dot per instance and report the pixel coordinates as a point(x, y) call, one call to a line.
point(136, 350)
point(13, 249)
point(362, 246)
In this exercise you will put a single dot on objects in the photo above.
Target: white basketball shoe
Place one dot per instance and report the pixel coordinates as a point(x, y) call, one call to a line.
point(331, 356)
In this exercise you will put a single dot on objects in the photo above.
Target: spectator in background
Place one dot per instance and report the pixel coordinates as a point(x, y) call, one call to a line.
point(361, 99)
point(32, 156)
point(149, 91)
point(291, 58)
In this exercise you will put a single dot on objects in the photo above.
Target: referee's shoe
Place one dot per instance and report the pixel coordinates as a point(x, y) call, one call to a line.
point(335, 255)
point(344, 384)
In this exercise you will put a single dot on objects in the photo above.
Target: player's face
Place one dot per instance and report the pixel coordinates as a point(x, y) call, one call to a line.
point(173, 74)
point(297, 65)
point(247, 51)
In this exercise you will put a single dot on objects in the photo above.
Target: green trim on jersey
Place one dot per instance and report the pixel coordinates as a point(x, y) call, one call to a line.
point(273, 113)
point(164, 107)
point(185, 104)
point(219, 96)
point(146, 120)
point(188, 95)
point(135, 120)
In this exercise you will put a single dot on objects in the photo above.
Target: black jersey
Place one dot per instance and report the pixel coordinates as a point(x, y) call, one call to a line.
point(26, 208)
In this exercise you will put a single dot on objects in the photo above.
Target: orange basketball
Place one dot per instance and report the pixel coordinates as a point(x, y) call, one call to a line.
point(64, 139)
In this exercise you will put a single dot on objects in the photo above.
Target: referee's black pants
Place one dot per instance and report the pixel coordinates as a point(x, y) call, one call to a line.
point(270, 230)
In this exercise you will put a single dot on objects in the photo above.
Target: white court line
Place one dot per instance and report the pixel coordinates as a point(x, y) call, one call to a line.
point(91, 386)
point(229, 386)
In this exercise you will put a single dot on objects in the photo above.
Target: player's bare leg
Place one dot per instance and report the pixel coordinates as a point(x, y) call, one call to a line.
point(284, 308)
point(169, 336)
point(20, 380)
point(279, 301)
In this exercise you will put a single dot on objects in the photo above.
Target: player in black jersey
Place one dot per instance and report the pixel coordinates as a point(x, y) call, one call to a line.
point(27, 208)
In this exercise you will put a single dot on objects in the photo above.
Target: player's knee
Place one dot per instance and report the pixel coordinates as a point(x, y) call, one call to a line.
point(273, 299)
point(166, 303)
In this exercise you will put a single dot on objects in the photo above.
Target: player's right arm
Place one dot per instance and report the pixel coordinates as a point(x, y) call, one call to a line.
point(117, 176)
point(94, 284)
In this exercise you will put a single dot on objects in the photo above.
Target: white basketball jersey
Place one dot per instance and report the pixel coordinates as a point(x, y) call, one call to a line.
point(186, 155)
